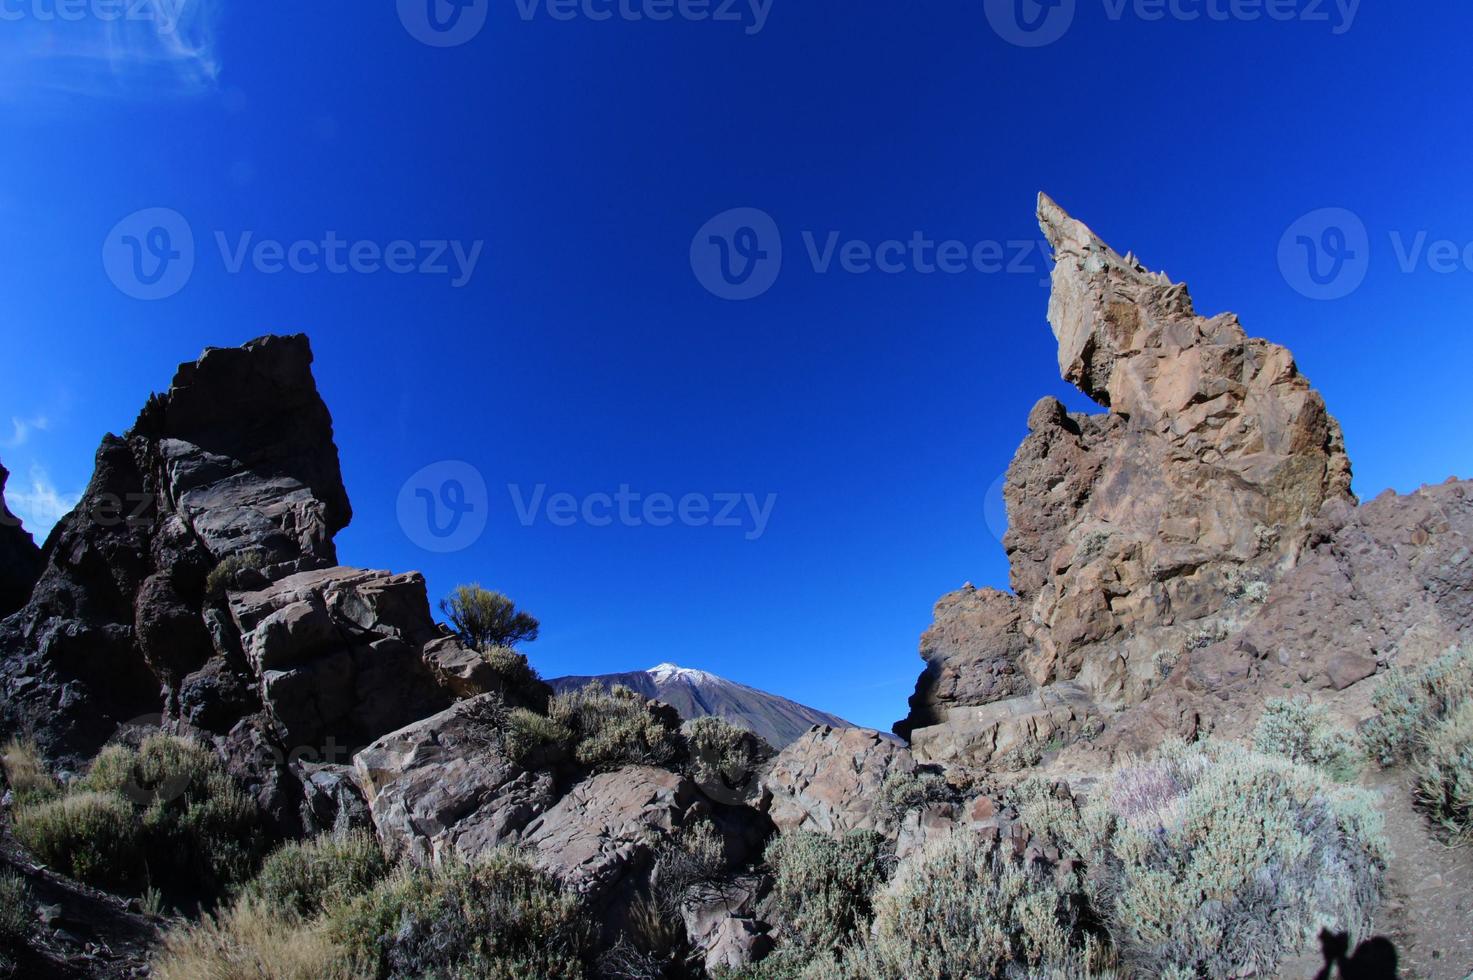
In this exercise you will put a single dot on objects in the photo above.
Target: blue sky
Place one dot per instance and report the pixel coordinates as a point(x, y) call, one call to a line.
point(866, 414)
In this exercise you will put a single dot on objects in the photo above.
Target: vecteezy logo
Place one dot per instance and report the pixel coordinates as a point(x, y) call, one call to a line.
point(443, 23)
point(166, 786)
point(995, 509)
point(443, 507)
point(1326, 254)
point(737, 254)
point(150, 253)
point(1030, 23)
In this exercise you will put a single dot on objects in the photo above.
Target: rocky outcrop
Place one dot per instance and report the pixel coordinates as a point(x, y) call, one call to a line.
point(829, 780)
point(20, 559)
point(335, 653)
point(1389, 583)
point(445, 786)
point(236, 458)
point(1194, 539)
point(196, 585)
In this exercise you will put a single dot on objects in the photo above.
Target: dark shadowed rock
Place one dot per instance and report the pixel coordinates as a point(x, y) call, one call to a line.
point(20, 559)
point(237, 457)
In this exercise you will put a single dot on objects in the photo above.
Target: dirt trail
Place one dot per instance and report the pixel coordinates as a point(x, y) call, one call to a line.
point(1429, 902)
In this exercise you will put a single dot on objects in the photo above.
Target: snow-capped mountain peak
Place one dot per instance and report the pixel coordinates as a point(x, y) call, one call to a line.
point(698, 693)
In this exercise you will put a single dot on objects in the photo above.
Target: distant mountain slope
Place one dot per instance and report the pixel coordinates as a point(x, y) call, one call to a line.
point(696, 694)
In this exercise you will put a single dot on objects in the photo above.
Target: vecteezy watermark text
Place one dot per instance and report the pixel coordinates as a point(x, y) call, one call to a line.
point(738, 255)
point(150, 254)
point(1327, 253)
point(752, 14)
point(630, 508)
point(162, 14)
point(449, 23)
point(1036, 23)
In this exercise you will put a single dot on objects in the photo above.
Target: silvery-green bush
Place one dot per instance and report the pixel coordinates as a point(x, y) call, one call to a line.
point(1409, 701)
point(1444, 772)
point(824, 886)
point(961, 910)
point(617, 727)
point(1211, 859)
point(1303, 732)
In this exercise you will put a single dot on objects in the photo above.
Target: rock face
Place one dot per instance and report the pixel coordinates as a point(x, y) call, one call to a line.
point(829, 780)
point(1385, 584)
point(197, 584)
point(698, 694)
point(444, 785)
point(1201, 525)
point(20, 559)
point(237, 457)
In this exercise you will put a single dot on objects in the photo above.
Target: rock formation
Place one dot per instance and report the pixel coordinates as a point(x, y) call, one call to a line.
point(197, 583)
point(20, 559)
point(829, 780)
point(1144, 541)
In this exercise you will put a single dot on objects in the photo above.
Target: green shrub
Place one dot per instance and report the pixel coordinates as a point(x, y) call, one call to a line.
point(1444, 772)
point(823, 886)
point(958, 909)
point(513, 668)
point(1216, 860)
point(617, 727)
point(166, 813)
point(17, 909)
point(498, 919)
point(694, 857)
point(93, 837)
point(224, 576)
point(1410, 700)
point(533, 739)
point(722, 754)
point(902, 792)
point(26, 774)
point(1303, 732)
point(306, 877)
point(484, 619)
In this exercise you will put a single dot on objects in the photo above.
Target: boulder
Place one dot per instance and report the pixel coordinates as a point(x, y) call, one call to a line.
point(722, 924)
point(604, 831)
point(829, 780)
point(336, 652)
point(444, 785)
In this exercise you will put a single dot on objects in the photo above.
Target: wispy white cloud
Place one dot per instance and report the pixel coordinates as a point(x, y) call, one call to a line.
point(108, 48)
point(39, 505)
point(22, 431)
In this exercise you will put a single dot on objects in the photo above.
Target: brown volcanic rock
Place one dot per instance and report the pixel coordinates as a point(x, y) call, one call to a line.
point(973, 653)
point(444, 785)
point(336, 653)
point(1389, 583)
point(829, 780)
point(20, 559)
point(1128, 531)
